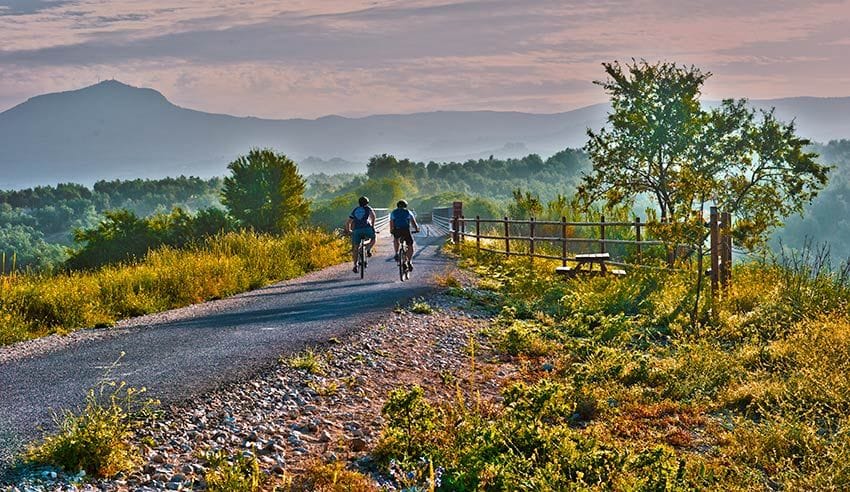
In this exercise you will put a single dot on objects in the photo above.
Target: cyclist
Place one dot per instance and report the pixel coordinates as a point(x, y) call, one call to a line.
point(361, 225)
point(400, 221)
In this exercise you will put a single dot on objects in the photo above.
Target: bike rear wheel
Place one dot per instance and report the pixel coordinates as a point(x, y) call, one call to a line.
point(361, 258)
point(401, 255)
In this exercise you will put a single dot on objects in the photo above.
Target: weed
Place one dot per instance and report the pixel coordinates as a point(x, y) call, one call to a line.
point(420, 306)
point(236, 473)
point(308, 361)
point(98, 438)
point(330, 477)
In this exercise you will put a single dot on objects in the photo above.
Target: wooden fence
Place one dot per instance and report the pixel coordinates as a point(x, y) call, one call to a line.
point(539, 235)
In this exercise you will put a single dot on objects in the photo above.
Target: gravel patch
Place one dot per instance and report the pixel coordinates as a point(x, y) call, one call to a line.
point(288, 417)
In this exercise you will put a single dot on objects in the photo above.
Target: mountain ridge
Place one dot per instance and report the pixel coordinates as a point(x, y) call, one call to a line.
point(113, 130)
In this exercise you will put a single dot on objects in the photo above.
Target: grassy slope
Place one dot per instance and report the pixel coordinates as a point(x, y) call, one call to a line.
point(36, 305)
point(620, 391)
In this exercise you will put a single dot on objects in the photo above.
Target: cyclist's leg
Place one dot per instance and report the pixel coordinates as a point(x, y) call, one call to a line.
point(395, 245)
point(355, 242)
point(371, 243)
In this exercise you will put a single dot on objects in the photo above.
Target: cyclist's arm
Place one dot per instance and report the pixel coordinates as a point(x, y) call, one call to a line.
point(373, 218)
point(413, 221)
point(348, 224)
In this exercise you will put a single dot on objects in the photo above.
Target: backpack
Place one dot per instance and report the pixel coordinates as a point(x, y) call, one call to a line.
point(361, 215)
point(401, 218)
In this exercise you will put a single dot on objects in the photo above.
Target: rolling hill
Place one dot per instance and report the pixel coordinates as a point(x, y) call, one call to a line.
point(112, 130)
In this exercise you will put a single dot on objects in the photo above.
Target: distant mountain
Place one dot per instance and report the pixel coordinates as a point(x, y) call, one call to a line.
point(112, 130)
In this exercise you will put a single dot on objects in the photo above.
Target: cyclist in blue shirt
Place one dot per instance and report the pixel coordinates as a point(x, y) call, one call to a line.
point(361, 224)
point(400, 221)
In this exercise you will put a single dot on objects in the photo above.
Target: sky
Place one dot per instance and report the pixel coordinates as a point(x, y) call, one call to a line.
point(309, 58)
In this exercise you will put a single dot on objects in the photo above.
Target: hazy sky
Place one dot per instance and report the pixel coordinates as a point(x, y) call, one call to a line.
point(307, 58)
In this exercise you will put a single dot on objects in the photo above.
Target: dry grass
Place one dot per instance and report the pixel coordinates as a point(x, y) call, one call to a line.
point(36, 305)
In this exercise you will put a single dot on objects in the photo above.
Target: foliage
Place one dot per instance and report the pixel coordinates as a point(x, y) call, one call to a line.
point(661, 142)
point(420, 306)
point(265, 192)
point(98, 438)
point(28, 249)
point(616, 388)
point(330, 477)
point(410, 425)
point(236, 473)
point(123, 237)
point(308, 361)
point(47, 215)
point(39, 304)
point(827, 218)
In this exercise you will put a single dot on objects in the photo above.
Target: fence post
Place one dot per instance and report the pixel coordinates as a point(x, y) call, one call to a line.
point(507, 238)
point(602, 233)
point(477, 234)
point(563, 241)
point(715, 257)
point(462, 229)
point(531, 238)
point(638, 238)
point(725, 280)
point(457, 212)
point(455, 231)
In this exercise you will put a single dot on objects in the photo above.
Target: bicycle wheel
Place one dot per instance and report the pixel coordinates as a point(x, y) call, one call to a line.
point(400, 263)
point(361, 258)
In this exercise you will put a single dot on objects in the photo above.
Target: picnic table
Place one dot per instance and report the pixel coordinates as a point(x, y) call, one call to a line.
point(585, 263)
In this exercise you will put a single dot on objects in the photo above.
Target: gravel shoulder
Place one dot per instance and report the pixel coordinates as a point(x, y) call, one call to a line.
point(291, 417)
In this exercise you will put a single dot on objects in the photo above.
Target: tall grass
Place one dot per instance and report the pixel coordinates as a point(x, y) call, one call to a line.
point(617, 390)
point(36, 305)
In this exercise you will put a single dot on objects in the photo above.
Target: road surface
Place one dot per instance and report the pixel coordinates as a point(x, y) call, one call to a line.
point(187, 351)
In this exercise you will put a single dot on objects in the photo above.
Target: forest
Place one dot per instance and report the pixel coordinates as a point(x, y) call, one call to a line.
point(42, 227)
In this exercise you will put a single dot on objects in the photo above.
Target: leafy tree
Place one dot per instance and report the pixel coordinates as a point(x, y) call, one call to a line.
point(661, 142)
point(266, 192)
point(28, 249)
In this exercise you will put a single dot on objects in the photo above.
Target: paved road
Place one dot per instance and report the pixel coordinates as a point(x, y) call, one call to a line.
point(190, 350)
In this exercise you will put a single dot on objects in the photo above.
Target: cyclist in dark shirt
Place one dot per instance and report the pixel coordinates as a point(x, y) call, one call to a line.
point(400, 221)
point(361, 224)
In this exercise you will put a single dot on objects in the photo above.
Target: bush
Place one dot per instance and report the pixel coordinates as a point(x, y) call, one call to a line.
point(98, 438)
point(235, 473)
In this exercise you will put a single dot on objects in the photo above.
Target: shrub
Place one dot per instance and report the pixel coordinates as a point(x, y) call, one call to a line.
point(410, 422)
point(236, 473)
point(420, 306)
point(307, 361)
point(98, 438)
point(331, 477)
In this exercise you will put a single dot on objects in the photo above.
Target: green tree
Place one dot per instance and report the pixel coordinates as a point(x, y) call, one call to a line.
point(659, 141)
point(266, 192)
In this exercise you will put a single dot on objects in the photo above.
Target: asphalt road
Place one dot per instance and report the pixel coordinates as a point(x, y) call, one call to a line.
point(187, 351)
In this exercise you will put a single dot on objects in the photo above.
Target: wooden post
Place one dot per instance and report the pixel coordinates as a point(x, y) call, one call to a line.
point(638, 238)
point(563, 241)
point(715, 256)
point(455, 231)
point(531, 238)
point(462, 228)
point(477, 234)
point(507, 238)
point(457, 212)
point(602, 234)
point(726, 260)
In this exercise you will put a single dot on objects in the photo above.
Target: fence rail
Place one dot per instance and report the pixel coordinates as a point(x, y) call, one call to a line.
point(450, 221)
point(382, 218)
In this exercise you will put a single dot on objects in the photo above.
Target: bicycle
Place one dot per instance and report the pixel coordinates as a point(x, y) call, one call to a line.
point(403, 272)
point(403, 268)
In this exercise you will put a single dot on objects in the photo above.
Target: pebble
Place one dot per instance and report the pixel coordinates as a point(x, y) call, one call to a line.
point(286, 423)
